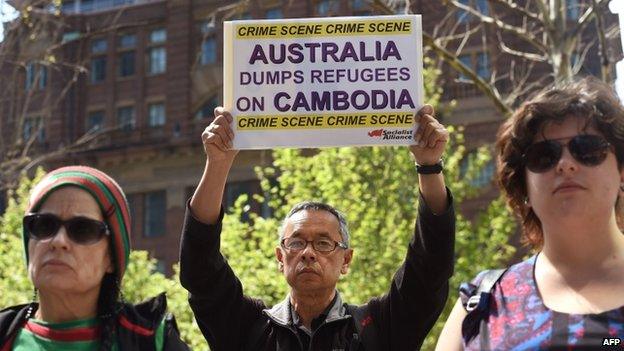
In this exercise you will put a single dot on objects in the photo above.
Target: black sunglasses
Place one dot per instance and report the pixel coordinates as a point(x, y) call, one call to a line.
point(587, 149)
point(81, 230)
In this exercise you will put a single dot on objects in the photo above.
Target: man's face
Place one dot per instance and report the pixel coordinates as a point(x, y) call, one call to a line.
point(308, 270)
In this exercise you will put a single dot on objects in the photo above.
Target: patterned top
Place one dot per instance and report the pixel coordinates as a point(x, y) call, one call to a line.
point(82, 335)
point(519, 320)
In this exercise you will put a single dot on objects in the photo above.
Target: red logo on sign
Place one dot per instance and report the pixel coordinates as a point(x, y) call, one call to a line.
point(375, 133)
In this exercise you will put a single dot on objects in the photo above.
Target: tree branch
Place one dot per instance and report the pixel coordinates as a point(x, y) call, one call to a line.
point(586, 17)
point(514, 7)
point(454, 62)
point(519, 32)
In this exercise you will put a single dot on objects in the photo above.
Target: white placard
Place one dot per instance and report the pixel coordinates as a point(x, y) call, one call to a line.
point(318, 82)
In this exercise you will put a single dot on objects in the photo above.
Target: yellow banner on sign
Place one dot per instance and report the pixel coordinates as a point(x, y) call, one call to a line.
point(323, 29)
point(321, 121)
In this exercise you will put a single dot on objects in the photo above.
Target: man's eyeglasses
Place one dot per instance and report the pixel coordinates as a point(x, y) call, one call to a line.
point(320, 245)
point(81, 230)
point(587, 149)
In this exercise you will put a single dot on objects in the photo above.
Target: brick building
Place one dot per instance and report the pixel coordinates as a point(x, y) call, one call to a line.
point(147, 75)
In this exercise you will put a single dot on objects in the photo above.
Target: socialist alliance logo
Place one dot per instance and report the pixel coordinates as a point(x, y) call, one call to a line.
point(401, 134)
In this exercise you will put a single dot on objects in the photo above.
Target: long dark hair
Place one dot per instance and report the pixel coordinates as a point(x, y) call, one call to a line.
point(107, 310)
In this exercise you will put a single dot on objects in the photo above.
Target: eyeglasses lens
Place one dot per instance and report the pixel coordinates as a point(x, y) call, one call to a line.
point(79, 229)
point(589, 150)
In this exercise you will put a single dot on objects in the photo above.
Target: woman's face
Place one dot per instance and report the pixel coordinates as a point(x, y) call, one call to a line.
point(572, 191)
point(58, 264)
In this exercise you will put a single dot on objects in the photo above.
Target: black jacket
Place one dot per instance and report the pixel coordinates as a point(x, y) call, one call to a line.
point(136, 327)
point(398, 320)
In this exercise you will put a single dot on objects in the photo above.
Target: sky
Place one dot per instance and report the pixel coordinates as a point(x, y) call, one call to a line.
point(7, 13)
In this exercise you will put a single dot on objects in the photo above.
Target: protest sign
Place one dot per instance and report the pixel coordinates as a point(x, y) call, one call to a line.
point(323, 81)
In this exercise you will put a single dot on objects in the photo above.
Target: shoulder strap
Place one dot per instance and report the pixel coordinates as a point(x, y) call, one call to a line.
point(366, 332)
point(477, 306)
point(478, 299)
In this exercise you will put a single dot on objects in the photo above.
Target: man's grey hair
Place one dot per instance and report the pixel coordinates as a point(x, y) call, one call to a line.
point(318, 206)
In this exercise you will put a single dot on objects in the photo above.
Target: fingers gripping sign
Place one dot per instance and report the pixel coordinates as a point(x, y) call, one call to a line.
point(430, 139)
point(218, 137)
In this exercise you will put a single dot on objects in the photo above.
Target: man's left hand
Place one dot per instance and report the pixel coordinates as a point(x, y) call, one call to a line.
point(431, 138)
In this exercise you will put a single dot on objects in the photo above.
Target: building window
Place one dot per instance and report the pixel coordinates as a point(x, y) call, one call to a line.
point(157, 55)
point(233, 190)
point(70, 36)
point(160, 266)
point(274, 13)
point(98, 63)
point(158, 36)
point(98, 69)
point(484, 176)
point(73, 6)
point(33, 128)
point(157, 60)
point(209, 51)
point(482, 7)
point(95, 121)
point(207, 27)
point(122, 2)
point(127, 41)
point(126, 63)
point(99, 46)
point(326, 7)
point(36, 74)
point(478, 62)
point(483, 65)
point(86, 5)
point(43, 76)
point(68, 6)
point(155, 214)
point(467, 61)
point(362, 8)
point(573, 9)
point(462, 15)
point(207, 109)
point(156, 115)
point(30, 75)
point(125, 118)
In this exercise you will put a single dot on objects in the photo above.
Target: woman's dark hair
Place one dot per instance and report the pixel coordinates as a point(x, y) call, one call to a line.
point(588, 98)
point(107, 309)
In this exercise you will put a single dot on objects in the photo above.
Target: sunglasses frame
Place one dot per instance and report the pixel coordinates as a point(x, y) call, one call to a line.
point(30, 218)
point(604, 145)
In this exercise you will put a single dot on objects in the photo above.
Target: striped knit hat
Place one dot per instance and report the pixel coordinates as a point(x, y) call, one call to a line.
point(106, 192)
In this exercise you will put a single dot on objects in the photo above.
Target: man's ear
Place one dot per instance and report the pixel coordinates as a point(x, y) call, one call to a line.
point(348, 256)
point(279, 255)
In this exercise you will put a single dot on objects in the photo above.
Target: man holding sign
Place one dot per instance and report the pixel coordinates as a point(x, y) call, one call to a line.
point(313, 252)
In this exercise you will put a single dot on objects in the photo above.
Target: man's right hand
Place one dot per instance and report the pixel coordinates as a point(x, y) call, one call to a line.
point(218, 138)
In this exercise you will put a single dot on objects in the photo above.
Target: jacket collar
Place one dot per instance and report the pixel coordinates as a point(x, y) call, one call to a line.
point(280, 313)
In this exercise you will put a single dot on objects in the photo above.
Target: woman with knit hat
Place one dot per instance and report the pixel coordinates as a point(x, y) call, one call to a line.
point(76, 235)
